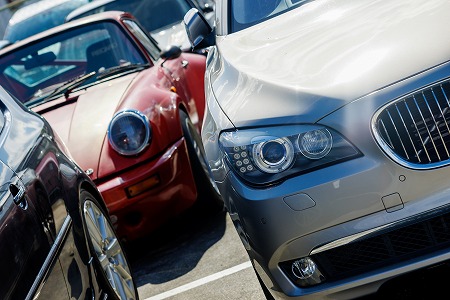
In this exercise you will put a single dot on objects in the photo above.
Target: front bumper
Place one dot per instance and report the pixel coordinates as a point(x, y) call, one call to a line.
point(175, 191)
point(326, 209)
point(343, 216)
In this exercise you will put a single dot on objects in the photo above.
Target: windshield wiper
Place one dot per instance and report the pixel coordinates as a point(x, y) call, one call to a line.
point(70, 85)
point(121, 69)
point(66, 88)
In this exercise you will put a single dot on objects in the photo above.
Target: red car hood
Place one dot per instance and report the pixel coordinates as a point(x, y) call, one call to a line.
point(83, 124)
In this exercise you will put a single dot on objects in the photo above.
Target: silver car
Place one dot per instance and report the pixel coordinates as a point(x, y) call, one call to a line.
point(327, 132)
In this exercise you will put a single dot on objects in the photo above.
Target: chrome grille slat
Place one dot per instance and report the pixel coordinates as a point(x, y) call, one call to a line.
point(407, 131)
point(420, 136)
point(429, 137)
point(436, 124)
point(444, 121)
point(386, 134)
point(445, 94)
point(396, 131)
point(415, 130)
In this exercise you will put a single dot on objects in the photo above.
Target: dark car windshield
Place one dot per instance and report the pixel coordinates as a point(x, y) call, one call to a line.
point(36, 70)
point(245, 13)
point(38, 17)
point(152, 14)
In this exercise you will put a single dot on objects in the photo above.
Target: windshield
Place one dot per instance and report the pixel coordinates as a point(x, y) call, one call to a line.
point(245, 13)
point(34, 71)
point(151, 14)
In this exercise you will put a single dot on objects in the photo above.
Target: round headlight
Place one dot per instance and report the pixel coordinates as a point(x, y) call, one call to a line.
point(129, 132)
point(273, 156)
point(315, 144)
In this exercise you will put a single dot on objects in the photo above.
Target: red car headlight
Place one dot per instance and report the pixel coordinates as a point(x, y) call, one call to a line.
point(129, 132)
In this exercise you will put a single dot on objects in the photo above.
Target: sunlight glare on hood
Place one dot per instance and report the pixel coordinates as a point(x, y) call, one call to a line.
point(362, 63)
point(331, 15)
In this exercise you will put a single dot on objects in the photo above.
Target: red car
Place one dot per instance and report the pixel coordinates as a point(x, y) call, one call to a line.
point(129, 114)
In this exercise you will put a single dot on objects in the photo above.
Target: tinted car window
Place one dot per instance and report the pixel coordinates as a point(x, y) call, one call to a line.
point(60, 59)
point(33, 19)
point(152, 49)
point(163, 12)
point(245, 13)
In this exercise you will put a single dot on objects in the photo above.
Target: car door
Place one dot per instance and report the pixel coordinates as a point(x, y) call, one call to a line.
point(24, 243)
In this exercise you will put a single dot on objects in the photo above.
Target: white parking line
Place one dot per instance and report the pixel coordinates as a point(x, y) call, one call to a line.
point(201, 281)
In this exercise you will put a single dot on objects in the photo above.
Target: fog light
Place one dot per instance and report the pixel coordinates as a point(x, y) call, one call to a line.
point(304, 272)
point(303, 268)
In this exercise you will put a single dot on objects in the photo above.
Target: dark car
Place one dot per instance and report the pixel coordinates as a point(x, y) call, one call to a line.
point(39, 16)
point(4, 43)
point(163, 19)
point(57, 238)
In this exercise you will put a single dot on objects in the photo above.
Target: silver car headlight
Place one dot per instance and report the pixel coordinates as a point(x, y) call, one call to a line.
point(129, 132)
point(264, 156)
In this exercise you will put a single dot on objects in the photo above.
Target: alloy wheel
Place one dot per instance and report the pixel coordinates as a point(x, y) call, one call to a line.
point(109, 251)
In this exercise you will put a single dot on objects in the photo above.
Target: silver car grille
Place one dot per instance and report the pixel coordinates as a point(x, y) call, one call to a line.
point(415, 130)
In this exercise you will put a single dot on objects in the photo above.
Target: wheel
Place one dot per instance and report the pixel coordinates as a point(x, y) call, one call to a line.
point(208, 195)
point(109, 254)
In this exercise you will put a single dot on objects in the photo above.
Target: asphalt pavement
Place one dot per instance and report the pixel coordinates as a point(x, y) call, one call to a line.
point(198, 256)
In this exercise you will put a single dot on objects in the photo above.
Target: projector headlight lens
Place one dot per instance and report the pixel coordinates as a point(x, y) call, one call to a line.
point(267, 155)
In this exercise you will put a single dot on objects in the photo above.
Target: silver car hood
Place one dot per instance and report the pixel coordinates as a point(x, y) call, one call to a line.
point(304, 64)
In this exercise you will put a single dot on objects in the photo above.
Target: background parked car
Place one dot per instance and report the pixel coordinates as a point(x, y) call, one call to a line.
point(57, 238)
point(4, 43)
point(39, 16)
point(328, 134)
point(7, 9)
point(130, 117)
point(163, 19)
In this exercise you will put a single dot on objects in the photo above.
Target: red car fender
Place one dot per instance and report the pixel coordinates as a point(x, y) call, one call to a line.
point(152, 95)
point(195, 79)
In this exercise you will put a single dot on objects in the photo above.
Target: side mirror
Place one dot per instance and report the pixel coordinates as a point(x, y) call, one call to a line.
point(171, 53)
point(199, 32)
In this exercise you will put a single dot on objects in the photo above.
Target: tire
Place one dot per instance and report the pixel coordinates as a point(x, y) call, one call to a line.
point(208, 197)
point(110, 260)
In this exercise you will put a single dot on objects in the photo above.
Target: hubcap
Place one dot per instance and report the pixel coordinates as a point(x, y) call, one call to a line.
point(109, 252)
